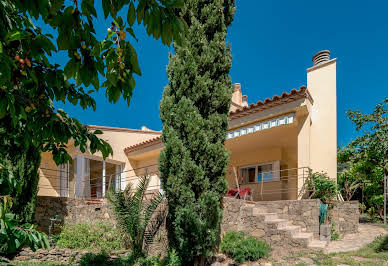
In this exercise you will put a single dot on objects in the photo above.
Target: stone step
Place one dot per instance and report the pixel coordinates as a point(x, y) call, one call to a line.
point(269, 216)
point(317, 244)
point(258, 211)
point(293, 229)
point(303, 239)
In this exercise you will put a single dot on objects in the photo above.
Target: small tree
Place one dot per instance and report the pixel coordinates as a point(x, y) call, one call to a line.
point(194, 112)
point(322, 187)
point(30, 82)
point(136, 215)
point(366, 158)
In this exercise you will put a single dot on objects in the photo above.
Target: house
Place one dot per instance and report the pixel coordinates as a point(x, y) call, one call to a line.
point(274, 145)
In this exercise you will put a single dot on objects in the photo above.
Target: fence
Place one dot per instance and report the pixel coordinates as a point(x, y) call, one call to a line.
point(66, 182)
point(283, 184)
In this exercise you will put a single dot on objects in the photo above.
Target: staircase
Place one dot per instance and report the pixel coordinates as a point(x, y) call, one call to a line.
point(277, 229)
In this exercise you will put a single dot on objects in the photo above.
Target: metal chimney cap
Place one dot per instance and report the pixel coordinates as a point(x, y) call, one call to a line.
point(321, 57)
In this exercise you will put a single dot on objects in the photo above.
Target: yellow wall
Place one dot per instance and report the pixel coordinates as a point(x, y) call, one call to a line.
point(273, 190)
point(321, 82)
point(48, 176)
point(119, 140)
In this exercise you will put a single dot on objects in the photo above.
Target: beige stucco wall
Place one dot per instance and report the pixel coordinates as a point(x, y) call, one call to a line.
point(321, 82)
point(119, 140)
point(48, 176)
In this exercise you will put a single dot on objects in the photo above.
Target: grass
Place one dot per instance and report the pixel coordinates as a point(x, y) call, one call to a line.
point(92, 237)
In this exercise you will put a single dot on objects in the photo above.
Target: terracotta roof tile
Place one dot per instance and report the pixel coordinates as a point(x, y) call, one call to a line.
point(142, 145)
point(243, 111)
point(268, 103)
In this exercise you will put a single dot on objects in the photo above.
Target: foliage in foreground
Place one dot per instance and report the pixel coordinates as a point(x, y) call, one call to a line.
point(194, 111)
point(104, 259)
point(19, 179)
point(136, 216)
point(322, 187)
point(363, 163)
point(242, 247)
point(13, 233)
point(97, 237)
point(30, 82)
point(381, 244)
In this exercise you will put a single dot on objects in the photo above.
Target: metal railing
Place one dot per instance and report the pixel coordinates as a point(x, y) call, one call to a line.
point(291, 183)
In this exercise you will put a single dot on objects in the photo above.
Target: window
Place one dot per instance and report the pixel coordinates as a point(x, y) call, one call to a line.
point(260, 173)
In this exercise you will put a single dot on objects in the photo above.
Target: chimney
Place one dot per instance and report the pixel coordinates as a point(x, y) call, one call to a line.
point(144, 128)
point(244, 100)
point(322, 85)
point(321, 57)
point(237, 95)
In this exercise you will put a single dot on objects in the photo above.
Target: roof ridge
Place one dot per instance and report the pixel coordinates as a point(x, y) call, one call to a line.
point(267, 103)
point(120, 129)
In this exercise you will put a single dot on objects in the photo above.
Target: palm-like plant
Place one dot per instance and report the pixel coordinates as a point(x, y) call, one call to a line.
point(136, 215)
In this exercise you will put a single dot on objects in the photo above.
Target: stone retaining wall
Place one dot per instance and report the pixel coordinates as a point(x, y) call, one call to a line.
point(70, 211)
point(346, 216)
point(63, 256)
point(301, 212)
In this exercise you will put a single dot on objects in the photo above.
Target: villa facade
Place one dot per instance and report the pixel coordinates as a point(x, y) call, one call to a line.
point(274, 145)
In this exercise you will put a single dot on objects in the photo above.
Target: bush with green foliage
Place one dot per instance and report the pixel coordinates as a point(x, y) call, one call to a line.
point(381, 244)
point(136, 216)
point(104, 259)
point(13, 233)
point(194, 111)
point(322, 187)
point(86, 236)
point(243, 247)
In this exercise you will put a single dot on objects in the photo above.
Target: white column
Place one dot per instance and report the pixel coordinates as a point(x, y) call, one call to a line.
point(79, 176)
point(103, 179)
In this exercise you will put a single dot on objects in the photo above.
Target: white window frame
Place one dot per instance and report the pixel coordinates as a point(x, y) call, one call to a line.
point(275, 171)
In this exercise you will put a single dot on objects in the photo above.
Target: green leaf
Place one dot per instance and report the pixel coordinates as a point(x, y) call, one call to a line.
point(106, 6)
point(87, 7)
point(14, 36)
point(1, 48)
point(70, 69)
point(140, 12)
point(133, 60)
point(131, 16)
point(5, 70)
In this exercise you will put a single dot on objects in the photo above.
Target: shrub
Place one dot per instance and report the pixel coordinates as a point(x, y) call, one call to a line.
point(333, 233)
point(98, 237)
point(242, 247)
point(381, 244)
point(104, 259)
point(136, 215)
point(323, 187)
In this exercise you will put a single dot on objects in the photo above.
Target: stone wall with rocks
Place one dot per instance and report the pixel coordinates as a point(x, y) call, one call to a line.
point(61, 256)
point(70, 211)
point(346, 217)
point(301, 212)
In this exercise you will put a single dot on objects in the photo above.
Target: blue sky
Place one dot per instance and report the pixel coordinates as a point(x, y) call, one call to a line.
point(272, 45)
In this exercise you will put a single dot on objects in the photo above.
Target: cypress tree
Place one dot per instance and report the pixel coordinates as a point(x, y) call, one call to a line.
point(194, 111)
